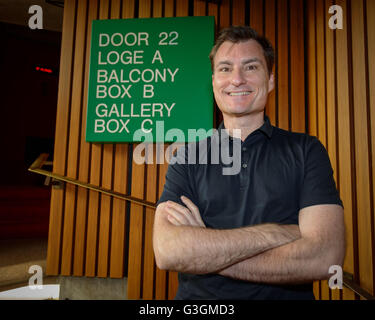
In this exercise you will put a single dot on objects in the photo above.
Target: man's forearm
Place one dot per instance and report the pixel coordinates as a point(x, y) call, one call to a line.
point(202, 250)
point(321, 245)
point(297, 262)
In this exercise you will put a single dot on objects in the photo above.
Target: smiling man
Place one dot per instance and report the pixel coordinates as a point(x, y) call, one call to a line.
point(268, 231)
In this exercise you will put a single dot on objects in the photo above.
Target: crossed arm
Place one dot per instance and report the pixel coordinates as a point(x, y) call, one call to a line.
point(267, 253)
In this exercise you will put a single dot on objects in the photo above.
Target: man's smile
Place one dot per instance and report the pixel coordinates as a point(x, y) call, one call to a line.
point(239, 93)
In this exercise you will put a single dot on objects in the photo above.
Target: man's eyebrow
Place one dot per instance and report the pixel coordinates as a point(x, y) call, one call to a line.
point(224, 62)
point(251, 60)
point(243, 62)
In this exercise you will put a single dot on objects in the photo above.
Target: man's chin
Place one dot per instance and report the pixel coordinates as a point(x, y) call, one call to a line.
point(239, 113)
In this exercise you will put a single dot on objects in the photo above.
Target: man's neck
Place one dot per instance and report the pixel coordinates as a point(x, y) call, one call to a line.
point(246, 124)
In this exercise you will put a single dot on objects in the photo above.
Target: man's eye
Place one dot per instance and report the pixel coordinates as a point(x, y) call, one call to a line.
point(251, 67)
point(224, 69)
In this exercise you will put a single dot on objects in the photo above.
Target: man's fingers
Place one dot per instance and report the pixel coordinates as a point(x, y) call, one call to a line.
point(188, 215)
point(176, 206)
point(194, 210)
point(182, 217)
point(181, 209)
point(173, 220)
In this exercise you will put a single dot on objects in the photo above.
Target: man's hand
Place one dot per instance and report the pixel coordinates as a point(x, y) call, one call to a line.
point(179, 215)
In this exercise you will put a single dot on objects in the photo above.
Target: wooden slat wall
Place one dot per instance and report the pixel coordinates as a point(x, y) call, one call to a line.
point(340, 99)
point(324, 86)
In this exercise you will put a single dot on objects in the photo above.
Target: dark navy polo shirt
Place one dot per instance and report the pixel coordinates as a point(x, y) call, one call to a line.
point(280, 173)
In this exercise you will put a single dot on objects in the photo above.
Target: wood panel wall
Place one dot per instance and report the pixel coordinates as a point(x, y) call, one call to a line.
point(341, 101)
point(322, 87)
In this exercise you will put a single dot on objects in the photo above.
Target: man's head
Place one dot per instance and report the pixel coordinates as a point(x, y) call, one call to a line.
point(236, 34)
point(242, 73)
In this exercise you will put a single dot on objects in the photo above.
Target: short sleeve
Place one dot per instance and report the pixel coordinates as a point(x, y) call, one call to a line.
point(178, 180)
point(319, 186)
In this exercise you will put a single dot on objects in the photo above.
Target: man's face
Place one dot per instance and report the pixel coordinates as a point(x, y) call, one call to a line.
point(240, 81)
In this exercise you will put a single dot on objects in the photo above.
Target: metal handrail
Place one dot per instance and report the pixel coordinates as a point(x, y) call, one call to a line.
point(37, 165)
point(357, 289)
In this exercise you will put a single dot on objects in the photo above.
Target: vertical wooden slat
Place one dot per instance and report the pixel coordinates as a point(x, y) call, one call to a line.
point(324, 290)
point(370, 11)
point(135, 233)
point(128, 9)
point(168, 8)
point(119, 213)
point(157, 8)
point(73, 147)
point(331, 107)
point(115, 9)
point(362, 148)
point(94, 213)
point(213, 11)
point(84, 158)
point(117, 258)
point(297, 67)
point(344, 142)
point(256, 15)
point(225, 14)
point(151, 273)
point(105, 212)
point(144, 9)
point(161, 275)
point(107, 172)
point(182, 8)
point(136, 211)
point(270, 34)
point(199, 8)
point(321, 87)
point(311, 61)
point(321, 96)
point(283, 64)
point(149, 264)
point(59, 165)
point(331, 93)
point(238, 12)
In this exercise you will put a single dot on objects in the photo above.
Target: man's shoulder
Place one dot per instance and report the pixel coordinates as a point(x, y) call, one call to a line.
point(292, 136)
point(308, 146)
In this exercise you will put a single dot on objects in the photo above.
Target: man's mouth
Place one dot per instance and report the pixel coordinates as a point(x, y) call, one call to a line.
point(240, 93)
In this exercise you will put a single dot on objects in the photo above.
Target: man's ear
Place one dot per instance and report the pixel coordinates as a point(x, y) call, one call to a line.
point(271, 82)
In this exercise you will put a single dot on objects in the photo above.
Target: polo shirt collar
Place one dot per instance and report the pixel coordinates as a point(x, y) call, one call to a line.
point(266, 128)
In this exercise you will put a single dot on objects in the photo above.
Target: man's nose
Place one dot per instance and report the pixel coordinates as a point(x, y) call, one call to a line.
point(237, 78)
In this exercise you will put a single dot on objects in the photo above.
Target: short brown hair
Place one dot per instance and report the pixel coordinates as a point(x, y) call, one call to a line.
point(237, 34)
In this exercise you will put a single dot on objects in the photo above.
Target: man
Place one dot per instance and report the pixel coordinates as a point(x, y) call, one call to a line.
point(268, 231)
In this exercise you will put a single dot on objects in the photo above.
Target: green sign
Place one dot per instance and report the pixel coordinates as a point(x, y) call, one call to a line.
point(150, 78)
